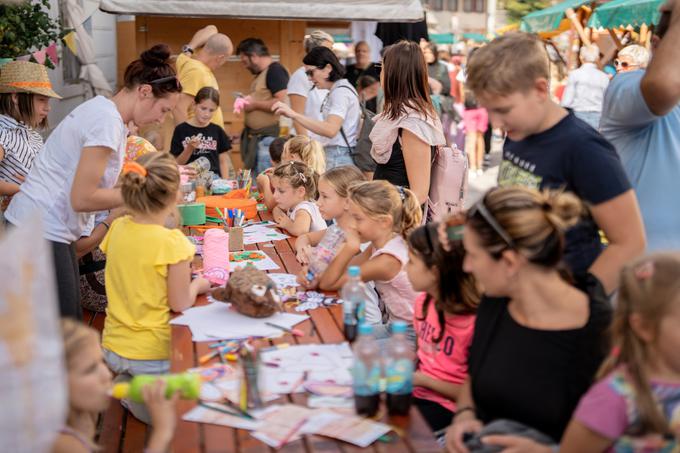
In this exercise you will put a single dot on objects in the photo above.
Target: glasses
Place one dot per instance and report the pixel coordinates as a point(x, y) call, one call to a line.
point(492, 222)
point(623, 64)
point(166, 80)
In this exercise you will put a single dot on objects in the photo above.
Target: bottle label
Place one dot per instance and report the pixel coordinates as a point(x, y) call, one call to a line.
point(349, 313)
point(399, 376)
point(366, 381)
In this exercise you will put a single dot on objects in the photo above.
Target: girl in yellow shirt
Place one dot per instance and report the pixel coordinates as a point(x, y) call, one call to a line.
point(147, 273)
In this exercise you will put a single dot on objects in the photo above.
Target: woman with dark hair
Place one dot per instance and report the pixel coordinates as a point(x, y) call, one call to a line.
point(408, 127)
point(25, 91)
point(76, 173)
point(340, 109)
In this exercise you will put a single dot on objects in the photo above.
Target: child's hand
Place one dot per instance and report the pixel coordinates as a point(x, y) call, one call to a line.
point(201, 284)
point(304, 254)
point(262, 181)
point(352, 240)
point(464, 423)
point(194, 142)
point(302, 279)
point(281, 219)
point(162, 411)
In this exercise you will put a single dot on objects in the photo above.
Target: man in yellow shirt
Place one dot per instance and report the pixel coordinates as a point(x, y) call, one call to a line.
point(207, 51)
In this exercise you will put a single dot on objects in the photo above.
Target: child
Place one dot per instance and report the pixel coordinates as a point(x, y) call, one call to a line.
point(476, 121)
point(89, 384)
point(444, 323)
point(548, 147)
point(383, 215)
point(304, 149)
point(294, 191)
point(198, 137)
point(264, 179)
point(635, 406)
point(148, 272)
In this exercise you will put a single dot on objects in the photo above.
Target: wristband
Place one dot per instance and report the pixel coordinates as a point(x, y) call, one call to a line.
point(460, 410)
point(187, 49)
point(108, 227)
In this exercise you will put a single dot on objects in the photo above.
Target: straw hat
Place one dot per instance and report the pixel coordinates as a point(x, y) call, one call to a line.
point(25, 77)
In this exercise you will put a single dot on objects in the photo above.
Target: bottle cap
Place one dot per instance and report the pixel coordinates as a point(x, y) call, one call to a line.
point(120, 390)
point(365, 329)
point(399, 327)
point(354, 271)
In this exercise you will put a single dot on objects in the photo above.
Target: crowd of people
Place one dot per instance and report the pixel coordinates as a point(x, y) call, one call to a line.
point(544, 317)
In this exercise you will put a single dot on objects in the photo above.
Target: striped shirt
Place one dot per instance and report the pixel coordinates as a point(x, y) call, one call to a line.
point(21, 145)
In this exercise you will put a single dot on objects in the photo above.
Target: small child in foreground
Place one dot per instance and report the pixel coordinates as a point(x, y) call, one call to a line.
point(148, 273)
point(295, 189)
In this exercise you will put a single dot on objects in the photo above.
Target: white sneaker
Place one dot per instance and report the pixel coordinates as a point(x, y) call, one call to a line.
point(480, 172)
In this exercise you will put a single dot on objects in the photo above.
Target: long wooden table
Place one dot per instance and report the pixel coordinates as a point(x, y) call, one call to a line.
point(324, 326)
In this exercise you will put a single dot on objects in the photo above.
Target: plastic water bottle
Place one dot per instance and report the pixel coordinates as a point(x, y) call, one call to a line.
point(399, 364)
point(366, 372)
point(325, 252)
point(354, 297)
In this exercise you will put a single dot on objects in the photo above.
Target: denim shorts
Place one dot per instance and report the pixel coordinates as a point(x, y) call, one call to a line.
point(337, 156)
point(264, 160)
point(125, 369)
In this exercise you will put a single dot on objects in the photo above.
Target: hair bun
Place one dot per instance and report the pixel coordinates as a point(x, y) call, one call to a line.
point(156, 56)
point(562, 209)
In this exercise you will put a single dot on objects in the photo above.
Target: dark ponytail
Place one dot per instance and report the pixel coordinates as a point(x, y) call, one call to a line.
point(152, 68)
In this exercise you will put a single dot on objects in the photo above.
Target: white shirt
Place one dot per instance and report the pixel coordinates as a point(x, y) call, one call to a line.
point(300, 84)
point(343, 101)
point(47, 188)
point(585, 89)
point(318, 223)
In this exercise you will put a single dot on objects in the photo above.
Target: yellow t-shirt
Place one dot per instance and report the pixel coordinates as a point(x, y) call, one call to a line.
point(194, 75)
point(137, 258)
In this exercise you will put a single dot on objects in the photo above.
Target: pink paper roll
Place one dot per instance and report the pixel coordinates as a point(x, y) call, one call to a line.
point(216, 249)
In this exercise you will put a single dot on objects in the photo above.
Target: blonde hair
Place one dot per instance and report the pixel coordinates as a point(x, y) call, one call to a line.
point(534, 222)
point(341, 178)
point(650, 286)
point(508, 64)
point(154, 191)
point(311, 152)
point(590, 53)
point(638, 54)
point(380, 198)
point(317, 38)
point(298, 174)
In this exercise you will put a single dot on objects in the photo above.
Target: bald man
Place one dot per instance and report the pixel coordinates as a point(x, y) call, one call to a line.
point(207, 51)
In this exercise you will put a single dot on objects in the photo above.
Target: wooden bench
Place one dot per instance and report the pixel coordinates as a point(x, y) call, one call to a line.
point(118, 431)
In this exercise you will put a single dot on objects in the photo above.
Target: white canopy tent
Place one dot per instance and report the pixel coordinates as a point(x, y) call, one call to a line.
point(376, 10)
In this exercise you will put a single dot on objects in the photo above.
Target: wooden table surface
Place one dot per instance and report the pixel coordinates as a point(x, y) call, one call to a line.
point(324, 326)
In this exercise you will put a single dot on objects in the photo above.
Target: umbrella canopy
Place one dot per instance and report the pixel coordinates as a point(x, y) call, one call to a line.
point(621, 13)
point(476, 37)
point(442, 38)
point(549, 18)
point(378, 10)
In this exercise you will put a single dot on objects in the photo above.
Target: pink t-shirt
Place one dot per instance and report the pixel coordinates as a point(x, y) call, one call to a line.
point(446, 360)
point(475, 120)
point(397, 293)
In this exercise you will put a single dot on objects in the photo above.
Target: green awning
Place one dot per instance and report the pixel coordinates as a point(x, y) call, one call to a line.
point(476, 37)
point(549, 18)
point(621, 13)
point(345, 39)
point(442, 38)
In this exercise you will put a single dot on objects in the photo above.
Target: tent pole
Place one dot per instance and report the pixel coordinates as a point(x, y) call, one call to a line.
point(571, 15)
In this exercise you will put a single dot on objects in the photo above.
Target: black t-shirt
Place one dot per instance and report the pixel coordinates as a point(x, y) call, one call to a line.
point(353, 73)
point(213, 143)
point(535, 377)
point(277, 78)
point(394, 170)
point(573, 156)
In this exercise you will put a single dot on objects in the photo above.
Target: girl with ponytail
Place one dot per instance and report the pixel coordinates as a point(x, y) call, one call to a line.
point(75, 174)
point(539, 338)
point(148, 272)
point(635, 406)
point(383, 215)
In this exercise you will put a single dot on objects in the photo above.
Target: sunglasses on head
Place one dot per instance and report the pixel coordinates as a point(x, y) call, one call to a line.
point(165, 80)
point(480, 209)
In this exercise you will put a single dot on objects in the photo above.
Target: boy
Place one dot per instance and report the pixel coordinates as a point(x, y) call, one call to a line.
point(263, 180)
point(548, 147)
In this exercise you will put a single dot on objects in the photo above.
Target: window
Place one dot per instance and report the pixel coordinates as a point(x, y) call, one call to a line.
point(473, 6)
point(452, 5)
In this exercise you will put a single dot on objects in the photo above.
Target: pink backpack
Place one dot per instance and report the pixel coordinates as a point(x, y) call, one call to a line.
point(448, 182)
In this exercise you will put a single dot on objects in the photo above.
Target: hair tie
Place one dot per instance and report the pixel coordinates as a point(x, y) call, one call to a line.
point(402, 193)
point(134, 167)
point(644, 270)
point(546, 206)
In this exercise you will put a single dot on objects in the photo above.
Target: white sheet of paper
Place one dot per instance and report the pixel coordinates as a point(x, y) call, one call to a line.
point(284, 280)
point(219, 321)
point(257, 233)
point(201, 414)
point(263, 264)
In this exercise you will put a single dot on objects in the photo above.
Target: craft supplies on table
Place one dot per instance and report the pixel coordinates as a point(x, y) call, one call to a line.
point(229, 201)
point(219, 321)
point(192, 213)
point(222, 186)
point(216, 250)
point(256, 258)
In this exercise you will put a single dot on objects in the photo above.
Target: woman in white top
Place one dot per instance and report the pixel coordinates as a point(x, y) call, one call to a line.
point(304, 97)
point(340, 110)
point(25, 92)
point(76, 172)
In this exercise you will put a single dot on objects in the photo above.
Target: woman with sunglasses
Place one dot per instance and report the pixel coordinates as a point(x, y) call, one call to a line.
point(631, 58)
point(75, 174)
point(340, 109)
point(539, 339)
